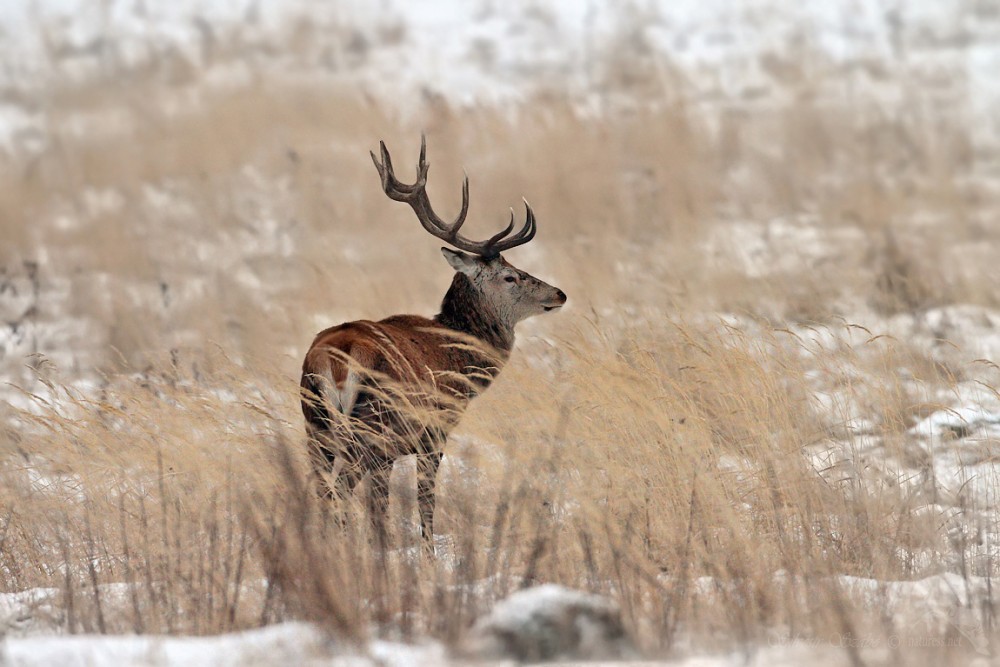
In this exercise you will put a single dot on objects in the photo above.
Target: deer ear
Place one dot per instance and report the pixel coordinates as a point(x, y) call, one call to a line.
point(467, 264)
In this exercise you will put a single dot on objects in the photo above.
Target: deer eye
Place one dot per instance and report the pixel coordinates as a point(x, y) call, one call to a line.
point(511, 279)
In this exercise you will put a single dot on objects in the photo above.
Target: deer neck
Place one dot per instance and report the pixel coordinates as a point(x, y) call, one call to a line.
point(467, 311)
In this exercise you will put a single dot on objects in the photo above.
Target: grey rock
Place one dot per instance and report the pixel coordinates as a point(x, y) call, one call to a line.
point(550, 622)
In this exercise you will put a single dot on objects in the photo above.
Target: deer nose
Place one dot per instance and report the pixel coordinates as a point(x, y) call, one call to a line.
point(561, 295)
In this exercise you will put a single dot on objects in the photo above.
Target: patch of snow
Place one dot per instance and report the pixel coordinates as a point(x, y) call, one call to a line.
point(21, 131)
point(958, 422)
point(290, 643)
point(286, 643)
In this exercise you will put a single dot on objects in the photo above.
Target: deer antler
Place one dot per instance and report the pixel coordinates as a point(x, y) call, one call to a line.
point(416, 196)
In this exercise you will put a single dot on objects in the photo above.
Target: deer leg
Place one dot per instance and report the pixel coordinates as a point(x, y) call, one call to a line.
point(322, 458)
point(378, 499)
point(337, 468)
point(427, 467)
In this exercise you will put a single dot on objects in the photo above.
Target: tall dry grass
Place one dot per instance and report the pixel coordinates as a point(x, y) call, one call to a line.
point(669, 468)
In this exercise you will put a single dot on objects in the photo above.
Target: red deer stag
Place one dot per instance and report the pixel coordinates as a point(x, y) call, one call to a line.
point(373, 392)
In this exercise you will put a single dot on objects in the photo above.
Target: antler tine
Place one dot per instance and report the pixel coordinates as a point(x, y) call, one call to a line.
point(460, 220)
point(498, 243)
point(378, 165)
point(502, 233)
point(416, 196)
point(387, 159)
point(530, 226)
point(393, 186)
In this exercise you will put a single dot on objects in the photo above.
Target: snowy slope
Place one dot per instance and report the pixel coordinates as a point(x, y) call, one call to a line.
point(495, 52)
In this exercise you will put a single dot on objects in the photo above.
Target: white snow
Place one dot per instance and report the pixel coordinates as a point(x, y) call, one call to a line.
point(932, 605)
point(498, 52)
point(283, 644)
point(289, 643)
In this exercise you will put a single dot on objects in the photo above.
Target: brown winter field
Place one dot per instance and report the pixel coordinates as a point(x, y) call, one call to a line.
point(682, 437)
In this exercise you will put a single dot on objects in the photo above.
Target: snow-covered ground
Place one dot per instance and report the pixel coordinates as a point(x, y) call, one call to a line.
point(280, 644)
point(543, 623)
point(717, 53)
point(720, 57)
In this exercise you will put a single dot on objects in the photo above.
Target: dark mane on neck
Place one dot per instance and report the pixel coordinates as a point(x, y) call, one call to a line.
point(464, 310)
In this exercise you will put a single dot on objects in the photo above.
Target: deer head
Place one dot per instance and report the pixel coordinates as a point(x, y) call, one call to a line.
point(509, 292)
